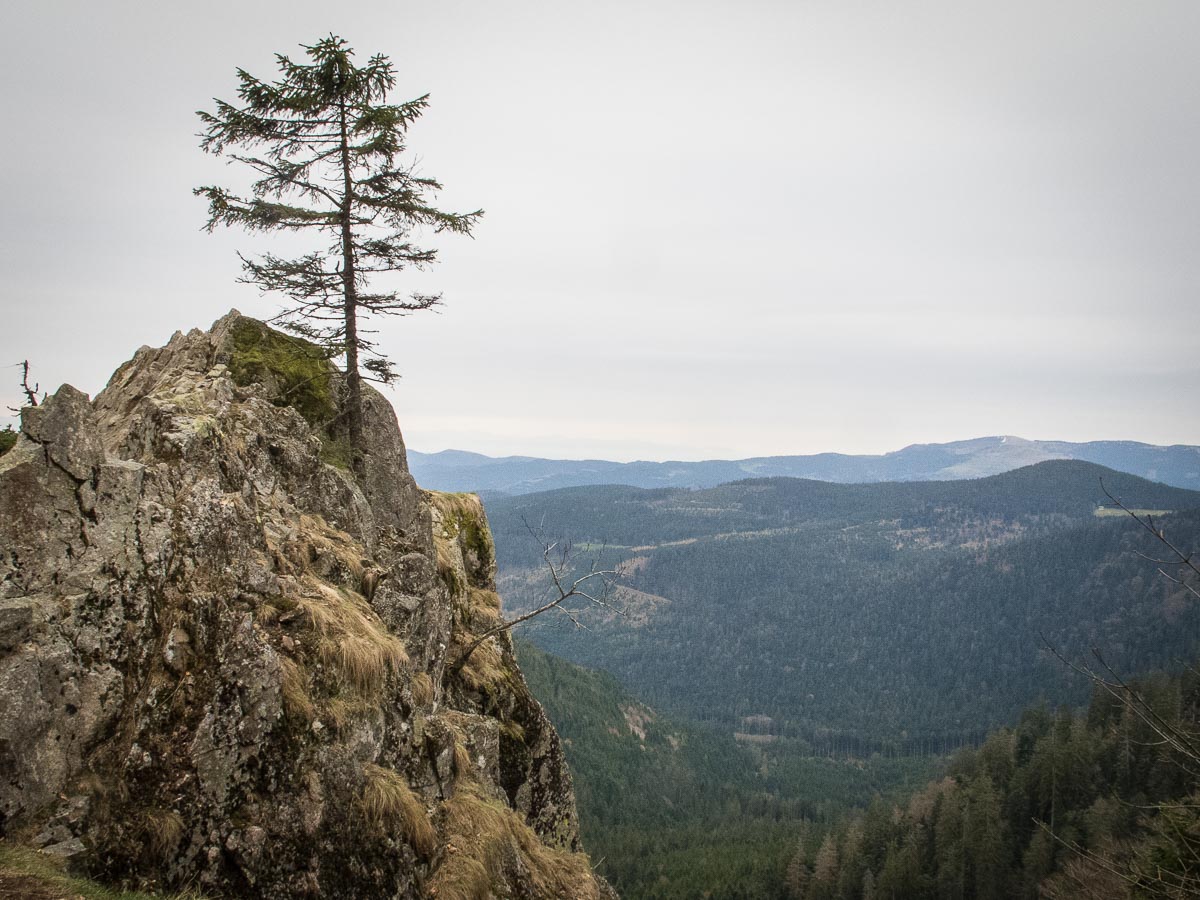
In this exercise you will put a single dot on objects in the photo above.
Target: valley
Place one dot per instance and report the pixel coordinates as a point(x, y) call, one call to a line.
point(803, 649)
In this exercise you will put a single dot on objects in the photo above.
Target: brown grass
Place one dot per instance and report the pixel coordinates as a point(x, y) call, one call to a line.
point(463, 767)
point(388, 804)
point(293, 685)
point(422, 689)
point(484, 668)
point(493, 844)
point(484, 600)
point(477, 610)
point(341, 710)
point(354, 640)
point(327, 545)
point(513, 730)
point(161, 831)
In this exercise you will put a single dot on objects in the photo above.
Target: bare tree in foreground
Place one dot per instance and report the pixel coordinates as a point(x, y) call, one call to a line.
point(595, 586)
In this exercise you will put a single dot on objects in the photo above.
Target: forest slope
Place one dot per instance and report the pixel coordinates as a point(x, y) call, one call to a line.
point(890, 617)
point(673, 809)
point(1059, 807)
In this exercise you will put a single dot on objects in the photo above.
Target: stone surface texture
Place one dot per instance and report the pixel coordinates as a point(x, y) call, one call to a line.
point(229, 665)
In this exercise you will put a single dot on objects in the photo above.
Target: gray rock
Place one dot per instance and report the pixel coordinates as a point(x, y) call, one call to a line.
point(216, 648)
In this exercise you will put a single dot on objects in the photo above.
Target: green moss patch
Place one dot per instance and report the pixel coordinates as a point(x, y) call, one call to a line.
point(298, 370)
point(463, 519)
point(8, 438)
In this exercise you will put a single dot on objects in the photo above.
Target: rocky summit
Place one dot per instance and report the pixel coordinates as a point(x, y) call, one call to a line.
point(231, 662)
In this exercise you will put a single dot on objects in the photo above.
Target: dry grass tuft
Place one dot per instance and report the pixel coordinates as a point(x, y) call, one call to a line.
point(484, 668)
point(422, 689)
point(311, 545)
point(388, 804)
point(364, 660)
point(501, 845)
point(297, 704)
point(463, 767)
point(161, 831)
point(513, 730)
point(354, 640)
point(476, 610)
point(341, 710)
point(331, 553)
point(268, 613)
point(484, 601)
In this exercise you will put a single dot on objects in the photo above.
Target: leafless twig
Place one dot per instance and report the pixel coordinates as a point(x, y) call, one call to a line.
point(563, 587)
point(1181, 559)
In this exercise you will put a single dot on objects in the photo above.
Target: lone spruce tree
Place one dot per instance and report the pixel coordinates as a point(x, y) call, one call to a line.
point(325, 147)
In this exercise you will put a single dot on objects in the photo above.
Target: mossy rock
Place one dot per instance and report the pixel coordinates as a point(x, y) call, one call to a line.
point(8, 439)
point(298, 371)
point(463, 519)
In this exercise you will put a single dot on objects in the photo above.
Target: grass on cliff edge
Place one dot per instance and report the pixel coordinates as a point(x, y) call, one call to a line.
point(28, 873)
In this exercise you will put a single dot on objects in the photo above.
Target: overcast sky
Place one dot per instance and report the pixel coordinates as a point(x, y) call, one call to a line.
point(713, 229)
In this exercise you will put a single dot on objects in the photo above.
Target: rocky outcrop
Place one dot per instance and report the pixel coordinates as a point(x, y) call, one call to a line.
point(229, 663)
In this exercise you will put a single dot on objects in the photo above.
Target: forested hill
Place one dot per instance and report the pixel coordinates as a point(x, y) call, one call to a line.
point(1099, 805)
point(864, 617)
point(975, 511)
point(457, 470)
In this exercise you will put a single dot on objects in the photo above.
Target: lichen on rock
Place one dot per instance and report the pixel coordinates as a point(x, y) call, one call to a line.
point(226, 663)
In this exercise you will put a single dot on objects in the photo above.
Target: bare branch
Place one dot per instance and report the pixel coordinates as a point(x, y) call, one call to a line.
point(1181, 558)
point(557, 558)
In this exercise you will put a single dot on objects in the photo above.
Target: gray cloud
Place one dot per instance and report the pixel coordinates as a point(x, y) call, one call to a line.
point(712, 229)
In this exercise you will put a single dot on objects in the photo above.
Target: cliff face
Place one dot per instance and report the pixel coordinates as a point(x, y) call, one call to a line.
point(226, 662)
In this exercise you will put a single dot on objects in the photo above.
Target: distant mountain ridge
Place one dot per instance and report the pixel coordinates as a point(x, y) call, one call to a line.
point(1177, 465)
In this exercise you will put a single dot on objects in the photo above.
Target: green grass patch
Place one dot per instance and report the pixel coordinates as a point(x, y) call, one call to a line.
point(8, 438)
point(337, 452)
point(28, 873)
point(1103, 512)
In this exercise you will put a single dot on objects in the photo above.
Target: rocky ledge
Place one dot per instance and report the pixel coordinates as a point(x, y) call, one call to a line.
point(227, 663)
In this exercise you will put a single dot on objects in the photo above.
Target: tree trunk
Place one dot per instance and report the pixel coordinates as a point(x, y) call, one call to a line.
point(354, 405)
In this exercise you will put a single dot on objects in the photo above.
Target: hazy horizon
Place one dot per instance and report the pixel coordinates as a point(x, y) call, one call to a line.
point(691, 459)
point(712, 230)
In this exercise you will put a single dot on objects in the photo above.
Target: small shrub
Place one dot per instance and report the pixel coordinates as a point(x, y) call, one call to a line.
point(463, 767)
